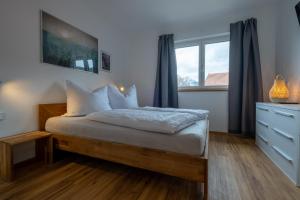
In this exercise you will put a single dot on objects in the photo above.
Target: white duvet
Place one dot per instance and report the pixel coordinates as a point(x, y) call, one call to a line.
point(162, 120)
point(202, 114)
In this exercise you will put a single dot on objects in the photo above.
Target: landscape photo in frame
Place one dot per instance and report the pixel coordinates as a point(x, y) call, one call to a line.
point(65, 45)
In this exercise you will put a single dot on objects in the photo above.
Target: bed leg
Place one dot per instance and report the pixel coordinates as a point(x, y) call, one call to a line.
point(201, 191)
point(206, 183)
point(205, 191)
point(205, 195)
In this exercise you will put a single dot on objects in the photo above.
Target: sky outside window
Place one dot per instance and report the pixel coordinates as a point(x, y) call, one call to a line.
point(216, 58)
point(217, 64)
point(188, 66)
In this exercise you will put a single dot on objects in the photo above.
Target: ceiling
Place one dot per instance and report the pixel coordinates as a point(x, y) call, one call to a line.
point(167, 12)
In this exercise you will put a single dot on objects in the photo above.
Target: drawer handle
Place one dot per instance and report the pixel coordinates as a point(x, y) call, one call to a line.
point(283, 134)
point(282, 154)
point(263, 139)
point(262, 123)
point(284, 114)
point(264, 109)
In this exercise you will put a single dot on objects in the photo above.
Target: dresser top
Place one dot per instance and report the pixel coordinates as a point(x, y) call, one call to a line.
point(285, 106)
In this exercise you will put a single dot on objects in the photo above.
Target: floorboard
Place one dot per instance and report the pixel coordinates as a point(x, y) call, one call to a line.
point(237, 170)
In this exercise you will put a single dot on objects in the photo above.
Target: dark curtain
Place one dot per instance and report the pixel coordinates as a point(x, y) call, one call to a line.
point(245, 81)
point(166, 94)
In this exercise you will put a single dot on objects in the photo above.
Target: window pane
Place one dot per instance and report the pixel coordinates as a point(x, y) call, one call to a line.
point(91, 65)
point(79, 64)
point(217, 64)
point(188, 66)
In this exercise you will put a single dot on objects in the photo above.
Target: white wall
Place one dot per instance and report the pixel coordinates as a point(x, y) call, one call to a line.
point(288, 47)
point(144, 52)
point(143, 65)
point(213, 101)
point(28, 82)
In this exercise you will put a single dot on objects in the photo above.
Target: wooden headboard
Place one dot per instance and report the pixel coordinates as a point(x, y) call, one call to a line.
point(47, 111)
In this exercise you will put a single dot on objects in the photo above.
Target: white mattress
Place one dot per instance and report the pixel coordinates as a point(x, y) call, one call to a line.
point(190, 140)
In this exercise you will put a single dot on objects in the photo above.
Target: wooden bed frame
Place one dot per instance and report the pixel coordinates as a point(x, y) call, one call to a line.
point(194, 168)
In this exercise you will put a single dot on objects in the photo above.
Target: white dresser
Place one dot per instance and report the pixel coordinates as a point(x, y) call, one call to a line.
point(278, 136)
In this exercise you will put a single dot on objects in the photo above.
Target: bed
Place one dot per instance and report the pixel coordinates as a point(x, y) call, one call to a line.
point(183, 155)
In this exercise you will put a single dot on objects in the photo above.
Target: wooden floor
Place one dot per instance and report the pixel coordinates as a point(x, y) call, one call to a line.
point(238, 170)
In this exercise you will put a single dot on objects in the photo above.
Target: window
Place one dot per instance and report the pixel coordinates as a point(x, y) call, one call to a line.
point(188, 66)
point(90, 64)
point(203, 62)
point(79, 64)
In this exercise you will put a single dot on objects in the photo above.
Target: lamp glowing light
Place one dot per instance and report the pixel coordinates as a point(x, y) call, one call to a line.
point(122, 88)
point(279, 92)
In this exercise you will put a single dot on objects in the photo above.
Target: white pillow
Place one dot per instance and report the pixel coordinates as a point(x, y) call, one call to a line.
point(131, 97)
point(120, 101)
point(81, 102)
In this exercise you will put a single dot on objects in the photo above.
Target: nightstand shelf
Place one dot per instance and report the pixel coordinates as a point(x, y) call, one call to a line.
point(43, 146)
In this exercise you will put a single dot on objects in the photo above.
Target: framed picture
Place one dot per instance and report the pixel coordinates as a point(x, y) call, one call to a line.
point(65, 45)
point(105, 61)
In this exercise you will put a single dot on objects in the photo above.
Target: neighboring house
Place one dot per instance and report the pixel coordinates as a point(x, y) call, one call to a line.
point(214, 79)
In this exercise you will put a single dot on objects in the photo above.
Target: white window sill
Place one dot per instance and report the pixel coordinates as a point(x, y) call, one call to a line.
point(203, 89)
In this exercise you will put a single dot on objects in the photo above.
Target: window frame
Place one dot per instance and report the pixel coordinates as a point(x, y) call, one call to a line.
point(201, 42)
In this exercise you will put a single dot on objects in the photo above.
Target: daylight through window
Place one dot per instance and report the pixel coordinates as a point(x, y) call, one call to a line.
point(203, 63)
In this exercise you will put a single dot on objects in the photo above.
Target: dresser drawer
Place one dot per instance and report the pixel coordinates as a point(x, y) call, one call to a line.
point(262, 129)
point(263, 144)
point(262, 136)
point(263, 113)
point(284, 162)
point(286, 142)
point(286, 121)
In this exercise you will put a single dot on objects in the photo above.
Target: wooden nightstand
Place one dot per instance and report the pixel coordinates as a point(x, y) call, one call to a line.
point(43, 147)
